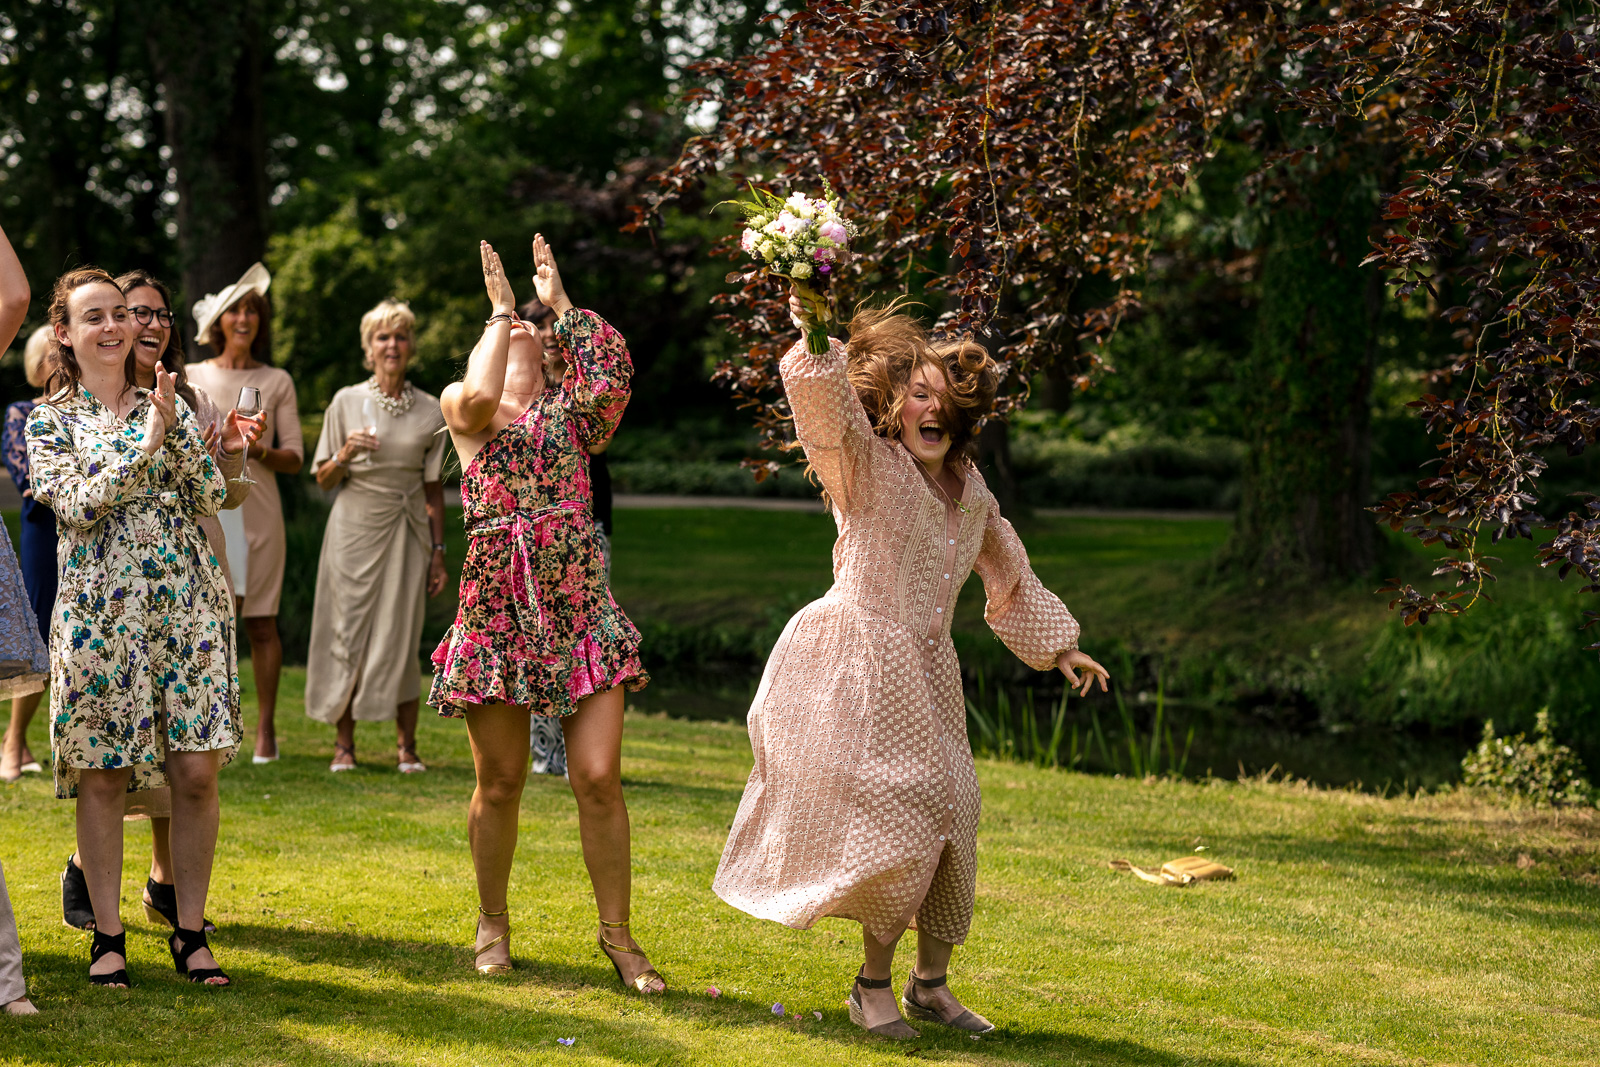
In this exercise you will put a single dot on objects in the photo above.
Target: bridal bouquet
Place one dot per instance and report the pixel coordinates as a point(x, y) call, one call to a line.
point(803, 239)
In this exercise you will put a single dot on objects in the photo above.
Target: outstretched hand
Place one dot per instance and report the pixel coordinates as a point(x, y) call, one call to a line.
point(1081, 671)
point(496, 282)
point(547, 279)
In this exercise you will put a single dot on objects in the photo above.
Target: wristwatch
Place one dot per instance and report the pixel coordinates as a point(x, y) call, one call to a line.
point(438, 546)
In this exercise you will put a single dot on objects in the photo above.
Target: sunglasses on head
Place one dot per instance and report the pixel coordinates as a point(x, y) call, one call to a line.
point(142, 315)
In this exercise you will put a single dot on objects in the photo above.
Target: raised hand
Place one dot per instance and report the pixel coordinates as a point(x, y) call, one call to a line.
point(547, 279)
point(496, 282)
point(163, 413)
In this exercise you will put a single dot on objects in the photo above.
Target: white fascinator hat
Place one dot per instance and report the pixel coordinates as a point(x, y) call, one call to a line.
point(211, 306)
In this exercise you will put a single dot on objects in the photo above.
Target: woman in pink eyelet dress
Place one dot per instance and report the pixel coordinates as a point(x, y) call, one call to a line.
point(538, 632)
point(863, 802)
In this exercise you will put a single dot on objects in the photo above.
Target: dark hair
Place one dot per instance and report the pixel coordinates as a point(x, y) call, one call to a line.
point(172, 355)
point(65, 373)
point(261, 347)
point(535, 310)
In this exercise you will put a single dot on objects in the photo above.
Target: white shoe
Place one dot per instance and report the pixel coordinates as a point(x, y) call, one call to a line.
point(32, 768)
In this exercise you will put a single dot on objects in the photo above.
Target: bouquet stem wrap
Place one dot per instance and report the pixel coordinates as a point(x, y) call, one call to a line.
point(819, 318)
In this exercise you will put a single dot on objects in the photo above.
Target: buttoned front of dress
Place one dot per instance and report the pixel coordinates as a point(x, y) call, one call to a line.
point(863, 802)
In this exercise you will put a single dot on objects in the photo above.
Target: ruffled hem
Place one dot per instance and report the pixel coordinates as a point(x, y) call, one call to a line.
point(469, 672)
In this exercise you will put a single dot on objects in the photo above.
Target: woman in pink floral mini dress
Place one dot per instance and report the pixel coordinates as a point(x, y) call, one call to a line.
point(538, 632)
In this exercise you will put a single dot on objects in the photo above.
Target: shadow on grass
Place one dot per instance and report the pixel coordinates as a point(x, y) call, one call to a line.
point(408, 1004)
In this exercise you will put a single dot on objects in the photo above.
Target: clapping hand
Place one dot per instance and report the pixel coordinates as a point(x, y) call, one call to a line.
point(1071, 663)
point(163, 413)
point(495, 281)
point(547, 279)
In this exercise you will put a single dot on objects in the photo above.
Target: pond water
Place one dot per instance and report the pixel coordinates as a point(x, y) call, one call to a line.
point(1225, 743)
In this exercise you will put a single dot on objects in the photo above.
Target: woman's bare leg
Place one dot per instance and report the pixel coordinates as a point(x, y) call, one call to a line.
point(405, 725)
point(499, 737)
point(266, 661)
point(878, 1005)
point(100, 806)
point(593, 735)
point(16, 751)
point(344, 751)
point(161, 851)
point(195, 814)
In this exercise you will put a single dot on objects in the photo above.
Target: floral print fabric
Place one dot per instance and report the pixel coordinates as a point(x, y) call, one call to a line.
point(142, 645)
point(537, 626)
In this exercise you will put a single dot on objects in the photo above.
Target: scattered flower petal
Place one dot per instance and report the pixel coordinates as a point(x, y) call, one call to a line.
point(818, 1014)
point(777, 1009)
point(713, 991)
point(567, 1041)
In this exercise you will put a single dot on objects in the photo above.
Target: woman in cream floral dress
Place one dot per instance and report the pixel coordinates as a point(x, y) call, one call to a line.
point(144, 685)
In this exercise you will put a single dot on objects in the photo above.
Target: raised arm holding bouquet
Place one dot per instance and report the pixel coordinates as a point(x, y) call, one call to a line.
point(863, 802)
point(803, 239)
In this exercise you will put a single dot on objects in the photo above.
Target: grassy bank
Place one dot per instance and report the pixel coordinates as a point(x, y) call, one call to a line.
point(1360, 930)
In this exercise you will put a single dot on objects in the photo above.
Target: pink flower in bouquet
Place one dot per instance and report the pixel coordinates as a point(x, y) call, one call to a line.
point(834, 231)
point(787, 223)
point(747, 241)
point(824, 255)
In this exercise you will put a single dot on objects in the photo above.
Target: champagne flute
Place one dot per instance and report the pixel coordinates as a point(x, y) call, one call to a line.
point(369, 423)
point(248, 405)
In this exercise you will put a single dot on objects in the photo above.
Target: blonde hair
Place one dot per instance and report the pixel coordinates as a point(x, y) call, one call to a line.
point(35, 354)
point(885, 349)
point(391, 313)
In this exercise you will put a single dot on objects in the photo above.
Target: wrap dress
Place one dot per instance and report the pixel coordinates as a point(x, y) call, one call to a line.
point(537, 626)
point(863, 802)
point(372, 577)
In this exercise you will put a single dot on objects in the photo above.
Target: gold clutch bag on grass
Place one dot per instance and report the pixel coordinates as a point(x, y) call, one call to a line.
point(1182, 871)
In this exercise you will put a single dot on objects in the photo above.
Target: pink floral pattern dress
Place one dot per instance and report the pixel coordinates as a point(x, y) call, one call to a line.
point(537, 626)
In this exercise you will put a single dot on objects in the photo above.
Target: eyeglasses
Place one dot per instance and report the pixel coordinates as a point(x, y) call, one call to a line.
point(142, 315)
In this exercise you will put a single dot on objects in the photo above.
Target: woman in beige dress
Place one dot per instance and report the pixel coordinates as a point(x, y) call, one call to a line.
point(235, 324)
point(863, 802)
point(384, 544)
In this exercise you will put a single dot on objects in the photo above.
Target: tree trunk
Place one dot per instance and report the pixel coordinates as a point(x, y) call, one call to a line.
point(1307, 474)
point(994, 462)
point(208, 60)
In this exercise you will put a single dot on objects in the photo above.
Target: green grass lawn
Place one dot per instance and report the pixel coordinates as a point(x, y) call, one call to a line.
point(1360, 930)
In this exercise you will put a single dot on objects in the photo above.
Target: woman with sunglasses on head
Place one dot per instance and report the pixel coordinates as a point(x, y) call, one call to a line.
point(236, 325)
point(538, 632)
point(144, 682)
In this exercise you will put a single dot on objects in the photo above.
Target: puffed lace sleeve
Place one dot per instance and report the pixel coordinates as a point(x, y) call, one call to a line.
point(231, 464)
point(1029, 618)
point(829, 420)
point(80, 497)
point(599, 373)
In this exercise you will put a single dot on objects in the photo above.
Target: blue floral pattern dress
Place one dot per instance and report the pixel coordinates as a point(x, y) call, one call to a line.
point(142, 656)
point(537, 626)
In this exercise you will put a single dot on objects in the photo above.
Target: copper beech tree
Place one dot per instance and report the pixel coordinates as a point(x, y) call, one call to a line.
point(993, 154)
point(1498, 217)
point(997, 154)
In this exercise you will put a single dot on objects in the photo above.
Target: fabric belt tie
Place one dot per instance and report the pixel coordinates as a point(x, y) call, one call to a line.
point(526, 595)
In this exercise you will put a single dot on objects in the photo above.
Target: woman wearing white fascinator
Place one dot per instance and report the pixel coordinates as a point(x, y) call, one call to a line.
point(235, 324)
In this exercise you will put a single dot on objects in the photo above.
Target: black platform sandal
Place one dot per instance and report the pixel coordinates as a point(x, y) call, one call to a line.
point(896, 1028)
point(967, 1020)
point(161, 905)
point(76, 910)
point(194, 941)
point(105, 945)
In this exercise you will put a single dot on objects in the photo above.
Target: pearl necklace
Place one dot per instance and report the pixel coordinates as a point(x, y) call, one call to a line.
point(395, 406)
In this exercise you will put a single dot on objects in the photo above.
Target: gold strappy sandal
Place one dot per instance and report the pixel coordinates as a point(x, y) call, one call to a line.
point(645, 977)
point(492, 968)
